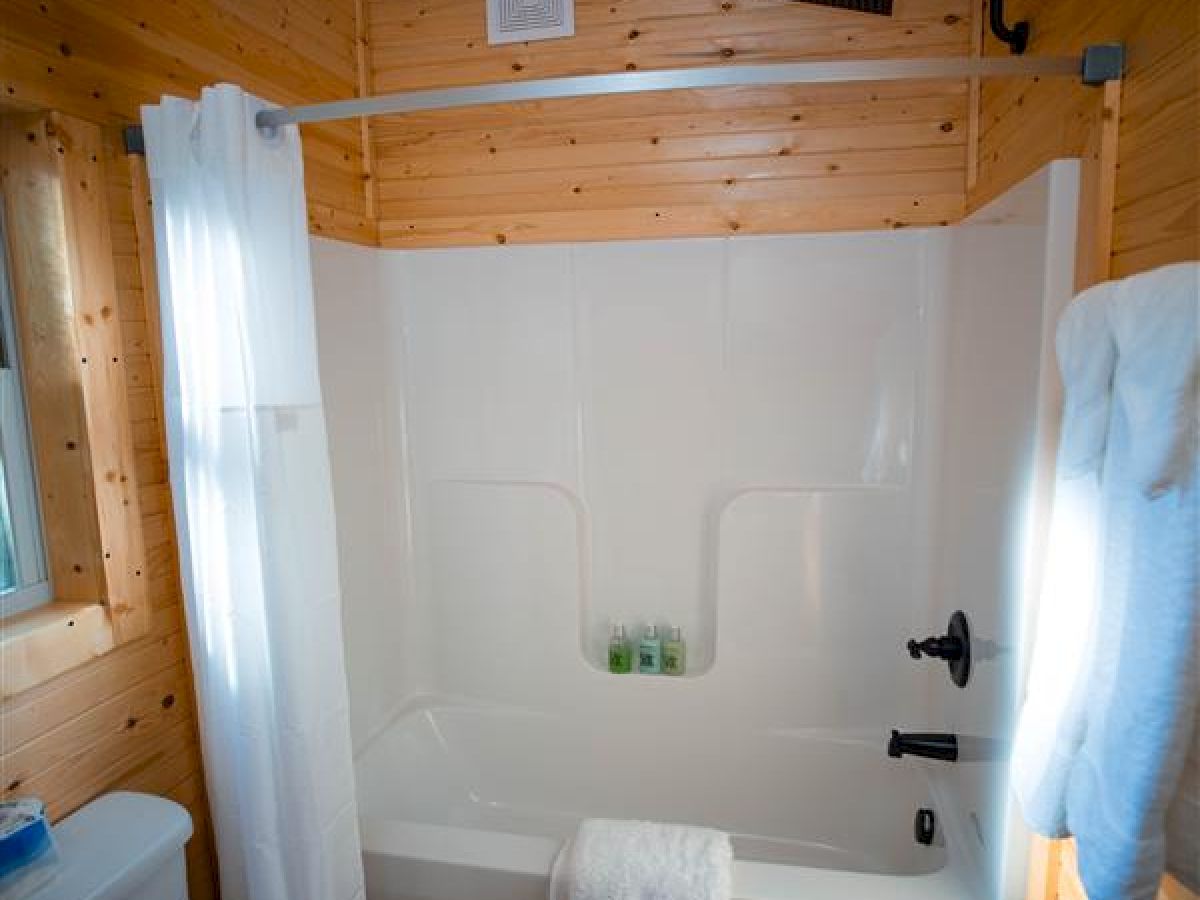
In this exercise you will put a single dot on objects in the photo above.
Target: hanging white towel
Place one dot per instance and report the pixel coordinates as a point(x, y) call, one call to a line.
point(1051, 728)
point(615, 860)
point(1116, 739)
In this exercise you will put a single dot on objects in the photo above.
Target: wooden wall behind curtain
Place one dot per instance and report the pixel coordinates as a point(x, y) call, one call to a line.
point(702, 162)
point(101, 60)
point(127, 719)
point(1027, 122)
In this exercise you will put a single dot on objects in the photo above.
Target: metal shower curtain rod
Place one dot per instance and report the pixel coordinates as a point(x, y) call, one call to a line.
point(1098, 64)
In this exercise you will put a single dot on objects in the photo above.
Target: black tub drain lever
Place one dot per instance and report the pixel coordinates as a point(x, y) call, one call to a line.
point(924, 826)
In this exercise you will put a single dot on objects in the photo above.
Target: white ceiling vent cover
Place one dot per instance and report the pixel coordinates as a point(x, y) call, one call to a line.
point(510, 21)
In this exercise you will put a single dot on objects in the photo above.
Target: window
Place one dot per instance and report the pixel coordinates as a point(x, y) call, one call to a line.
point(23, 580)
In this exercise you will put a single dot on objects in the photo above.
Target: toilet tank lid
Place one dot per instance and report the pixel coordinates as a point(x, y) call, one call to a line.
point(115, 842)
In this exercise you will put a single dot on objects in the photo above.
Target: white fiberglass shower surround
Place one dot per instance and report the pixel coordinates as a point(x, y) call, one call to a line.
point(804, 450)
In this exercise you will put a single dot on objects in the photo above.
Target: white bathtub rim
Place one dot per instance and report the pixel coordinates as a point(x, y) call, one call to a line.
point(432, 703)
point(525, 855)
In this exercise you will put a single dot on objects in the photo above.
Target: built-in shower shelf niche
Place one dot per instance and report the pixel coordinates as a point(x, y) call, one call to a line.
point(636, 406)
point(510, 569)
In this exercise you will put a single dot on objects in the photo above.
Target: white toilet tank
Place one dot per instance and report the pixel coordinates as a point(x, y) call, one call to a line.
point(121, 846)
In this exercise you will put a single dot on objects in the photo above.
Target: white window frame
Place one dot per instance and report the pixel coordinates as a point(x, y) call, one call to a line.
point(16, 454)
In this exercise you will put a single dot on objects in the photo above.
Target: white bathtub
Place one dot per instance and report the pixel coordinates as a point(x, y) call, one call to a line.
point(803, 450)
point(472, 803)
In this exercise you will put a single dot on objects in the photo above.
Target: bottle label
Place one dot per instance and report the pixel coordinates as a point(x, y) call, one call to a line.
point(674, 658)
point(619, 659)
point(650, 659)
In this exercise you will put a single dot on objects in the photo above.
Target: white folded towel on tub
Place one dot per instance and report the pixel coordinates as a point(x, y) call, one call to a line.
point(616, 860)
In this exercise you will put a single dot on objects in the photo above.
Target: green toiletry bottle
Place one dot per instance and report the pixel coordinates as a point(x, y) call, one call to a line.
point(620, 654)
point(674, 654)
point(650, 652)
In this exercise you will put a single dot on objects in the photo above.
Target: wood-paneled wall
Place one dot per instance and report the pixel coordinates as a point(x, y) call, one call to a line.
point(100, 61)
point(1027, 122)
point(1062, 880)
point(125, 720)
point(701, 162)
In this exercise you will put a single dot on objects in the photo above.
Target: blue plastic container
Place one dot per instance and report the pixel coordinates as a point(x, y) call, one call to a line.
point(28, 856)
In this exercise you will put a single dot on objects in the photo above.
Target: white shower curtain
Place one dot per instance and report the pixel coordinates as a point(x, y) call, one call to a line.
point(253, 502)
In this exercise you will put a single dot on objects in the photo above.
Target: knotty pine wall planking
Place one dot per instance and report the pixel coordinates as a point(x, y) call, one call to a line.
point(126, 720)
point(1026, 122)
point(100, 61)
point(695, 162)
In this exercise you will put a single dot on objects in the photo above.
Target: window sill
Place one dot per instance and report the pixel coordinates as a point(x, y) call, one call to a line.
point(41, 643)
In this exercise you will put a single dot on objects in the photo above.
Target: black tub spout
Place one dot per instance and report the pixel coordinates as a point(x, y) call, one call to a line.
point(927, 745)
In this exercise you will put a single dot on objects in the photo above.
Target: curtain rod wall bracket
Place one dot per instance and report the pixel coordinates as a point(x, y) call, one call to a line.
point(135, 140)
point(1103, 62)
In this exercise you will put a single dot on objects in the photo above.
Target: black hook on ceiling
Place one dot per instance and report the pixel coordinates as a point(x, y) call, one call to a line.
point(1016, 37)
